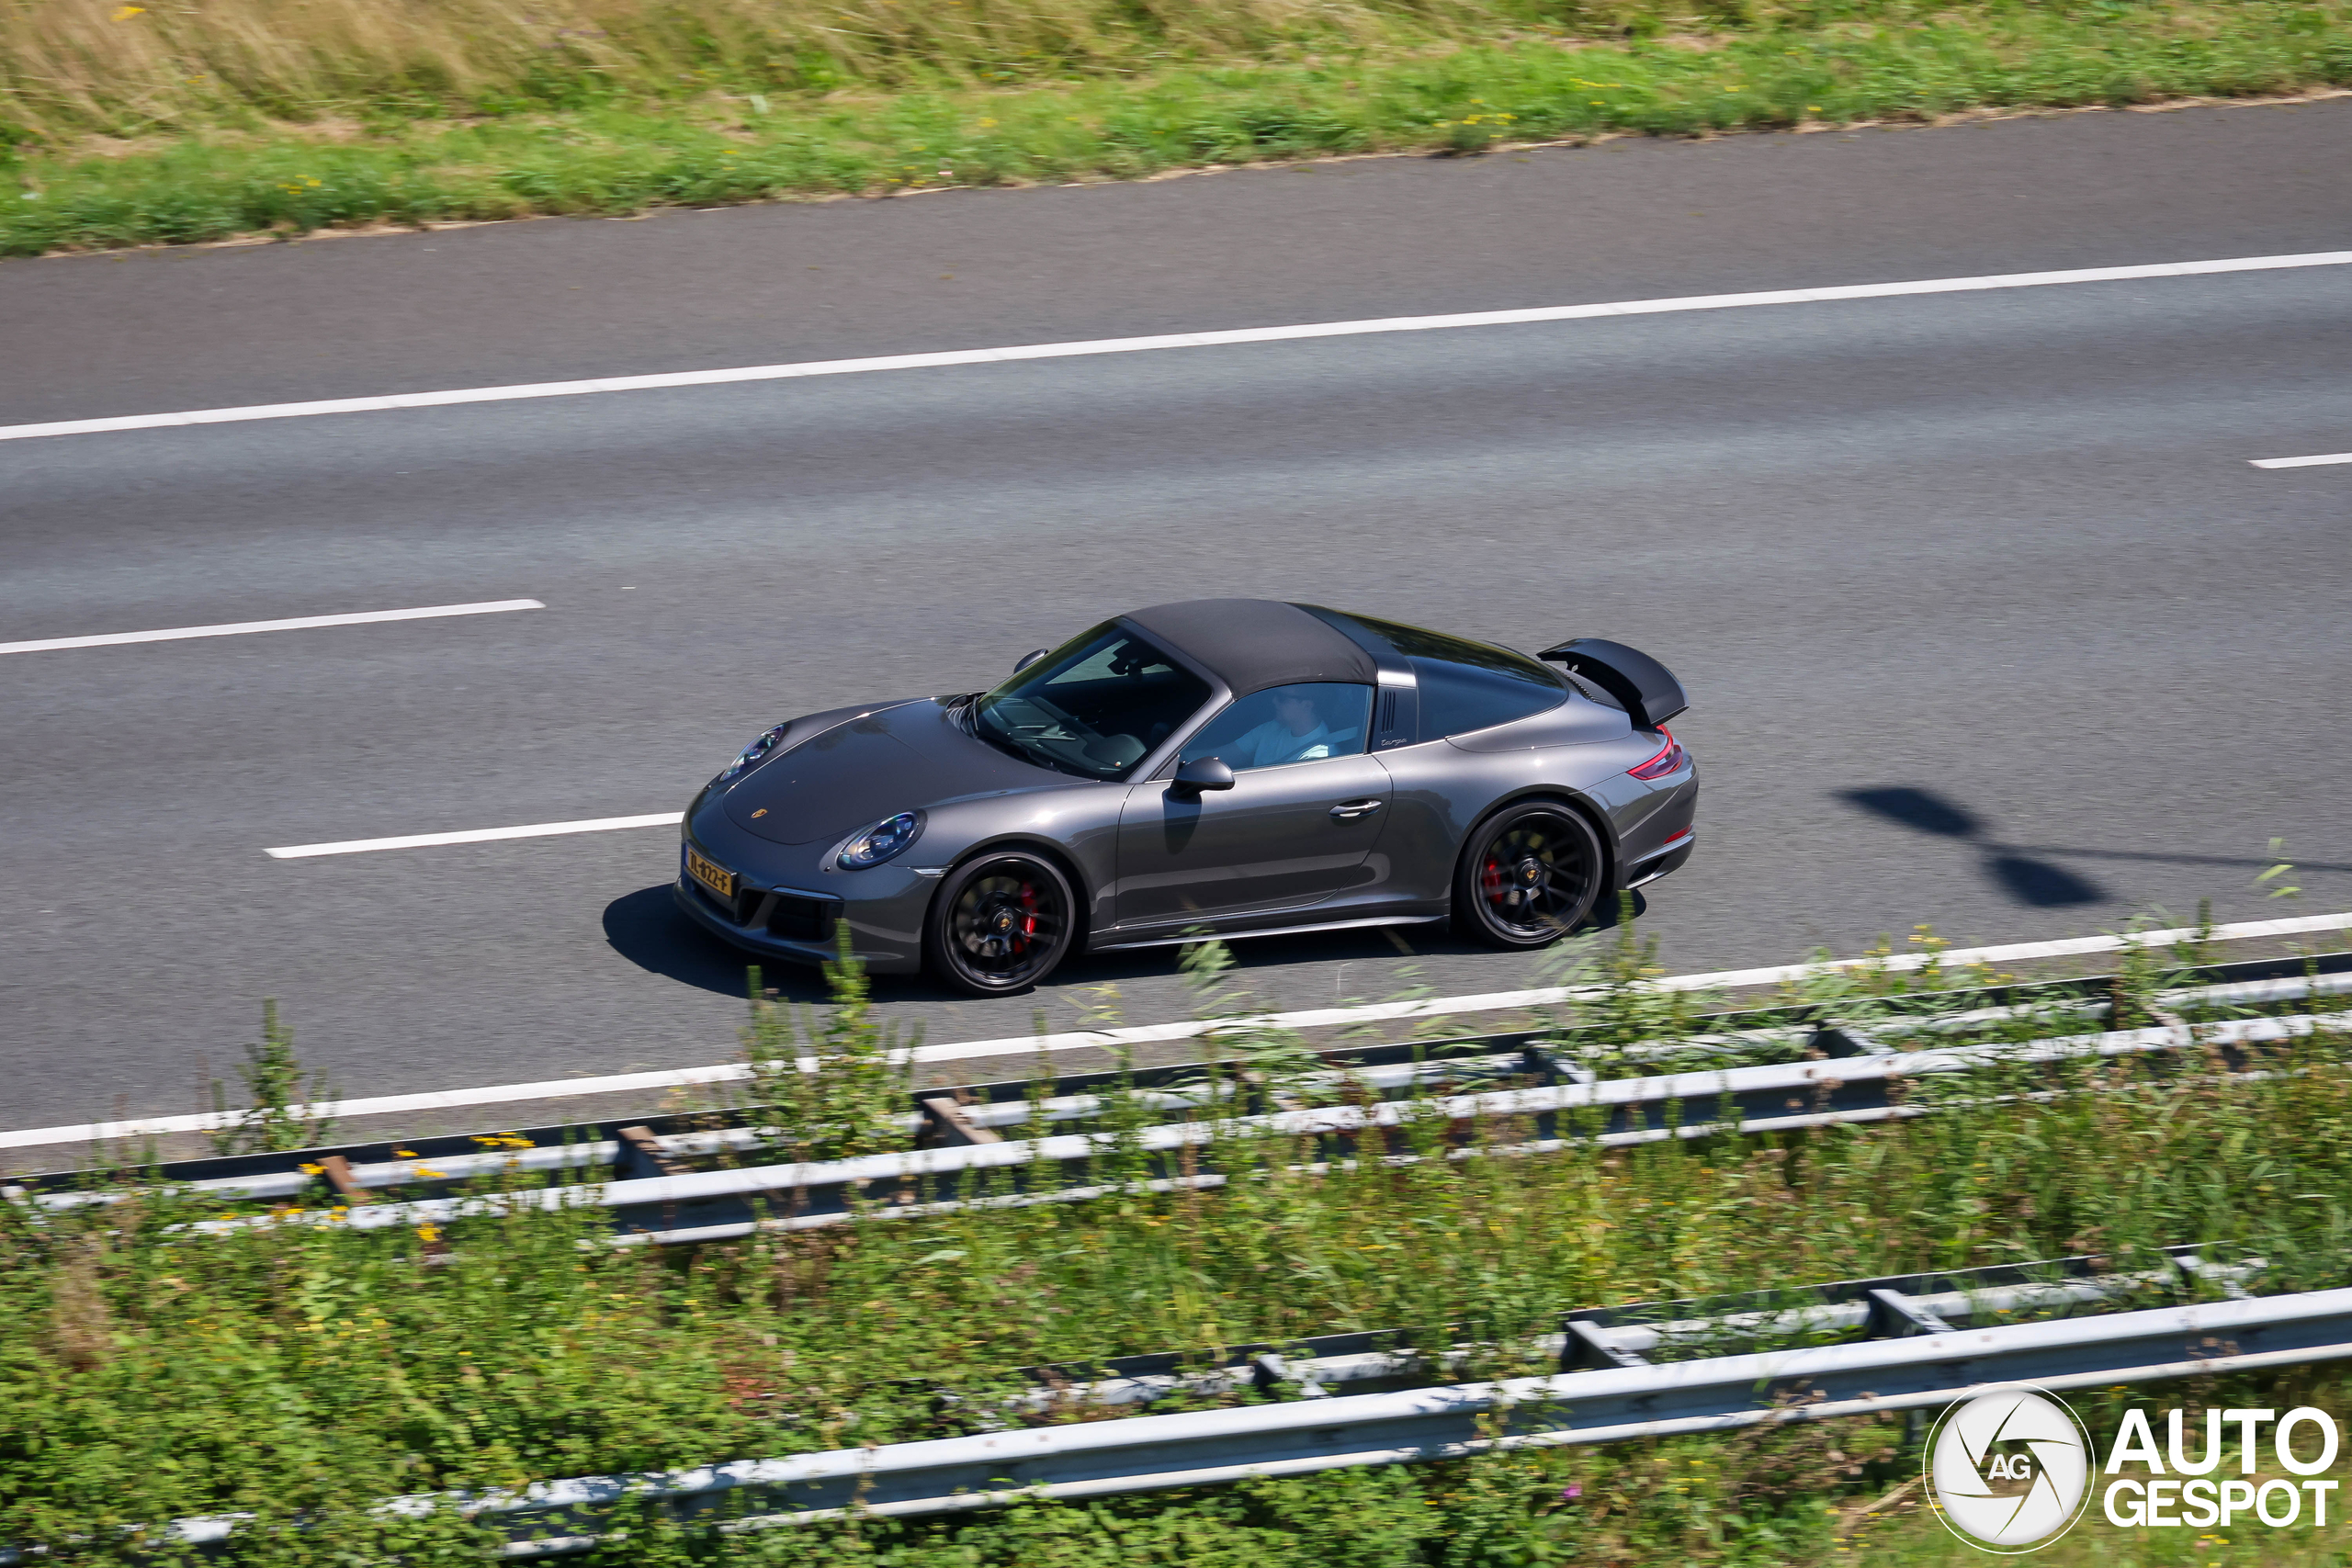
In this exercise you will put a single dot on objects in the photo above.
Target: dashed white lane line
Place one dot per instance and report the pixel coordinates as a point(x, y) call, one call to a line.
point(1178, 340)
point(1090, 1040)
point(301, 623)
point(478, 835)
point(2302, 462)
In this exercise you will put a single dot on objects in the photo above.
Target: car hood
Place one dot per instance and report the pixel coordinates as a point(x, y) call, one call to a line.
point(899, 756)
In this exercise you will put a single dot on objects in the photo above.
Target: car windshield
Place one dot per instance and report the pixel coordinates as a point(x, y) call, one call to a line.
point(1094, 707)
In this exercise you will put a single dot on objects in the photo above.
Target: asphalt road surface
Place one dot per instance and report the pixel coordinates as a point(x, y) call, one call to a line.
point(1988, 620)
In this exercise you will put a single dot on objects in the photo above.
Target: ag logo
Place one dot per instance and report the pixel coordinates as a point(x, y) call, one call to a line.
point(2010, 1468)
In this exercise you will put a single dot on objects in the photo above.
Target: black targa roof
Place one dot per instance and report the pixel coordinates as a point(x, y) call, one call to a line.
point(1256, 643)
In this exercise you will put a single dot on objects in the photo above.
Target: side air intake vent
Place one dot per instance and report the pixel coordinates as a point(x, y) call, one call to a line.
point(1392, 717)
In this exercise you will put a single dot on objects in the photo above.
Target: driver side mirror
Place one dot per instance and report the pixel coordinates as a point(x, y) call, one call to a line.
point(1028, 658)
point(1200, 773)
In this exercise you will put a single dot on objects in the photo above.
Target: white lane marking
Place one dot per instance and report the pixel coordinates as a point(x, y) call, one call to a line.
point(2301, 462)
point(301, 623)
point(1178, 340)
point(478, 835)
point(1318, 1018)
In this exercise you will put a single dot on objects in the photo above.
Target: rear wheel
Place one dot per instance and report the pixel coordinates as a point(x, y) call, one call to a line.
point(1529, 876)
point(1001, 923)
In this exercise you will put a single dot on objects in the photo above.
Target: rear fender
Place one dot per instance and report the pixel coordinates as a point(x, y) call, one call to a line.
point(1603, 828)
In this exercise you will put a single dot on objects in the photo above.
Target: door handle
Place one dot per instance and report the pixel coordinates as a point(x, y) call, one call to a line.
point(1351, 808)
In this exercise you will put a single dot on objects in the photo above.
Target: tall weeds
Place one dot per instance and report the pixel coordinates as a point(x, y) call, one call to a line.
point(279, 1095)
point(834, 1081)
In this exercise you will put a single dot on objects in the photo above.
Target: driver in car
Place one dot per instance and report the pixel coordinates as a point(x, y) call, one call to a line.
point(1295, 734)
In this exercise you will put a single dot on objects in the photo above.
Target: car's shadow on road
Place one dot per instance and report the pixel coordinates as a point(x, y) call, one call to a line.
point(646, 928)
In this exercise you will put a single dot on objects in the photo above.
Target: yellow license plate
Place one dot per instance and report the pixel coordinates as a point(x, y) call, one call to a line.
point(718, 878)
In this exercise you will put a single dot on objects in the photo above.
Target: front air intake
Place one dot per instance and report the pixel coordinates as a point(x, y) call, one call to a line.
point(796, 917)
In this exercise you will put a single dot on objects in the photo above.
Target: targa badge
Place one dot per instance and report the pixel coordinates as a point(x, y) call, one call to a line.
point(2010, 1470)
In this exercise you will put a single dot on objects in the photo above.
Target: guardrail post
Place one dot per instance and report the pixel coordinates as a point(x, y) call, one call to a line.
point(1587, 1344)
point(338, 1170)
point(1848, 1040)
point(2194, 1269)
point(1269, 1370)
point(641, 1153)
point(944, 1124)
point(1547, 1068)
point(1893, 1315)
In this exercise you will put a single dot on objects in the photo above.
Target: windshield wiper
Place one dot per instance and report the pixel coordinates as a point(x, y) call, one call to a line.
point(1013, 746)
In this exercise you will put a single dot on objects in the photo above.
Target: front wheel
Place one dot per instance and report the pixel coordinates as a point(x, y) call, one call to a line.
point(1530, 874)
point(1001, 923)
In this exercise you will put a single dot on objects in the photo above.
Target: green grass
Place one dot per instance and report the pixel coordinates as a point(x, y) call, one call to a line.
point(601, 151)
point(302, 1371)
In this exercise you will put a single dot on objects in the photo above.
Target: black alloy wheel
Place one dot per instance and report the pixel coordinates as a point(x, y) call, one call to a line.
point(1529, 876)
point(1001, 923)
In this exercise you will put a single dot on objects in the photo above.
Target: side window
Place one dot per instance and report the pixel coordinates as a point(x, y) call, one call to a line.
point(1457, 698)
point(1286, 724)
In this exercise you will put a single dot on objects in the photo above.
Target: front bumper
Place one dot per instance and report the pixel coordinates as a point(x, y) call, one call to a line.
point(795, 912)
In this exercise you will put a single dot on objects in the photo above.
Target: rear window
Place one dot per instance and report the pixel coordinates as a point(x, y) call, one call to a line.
point(1468, 685)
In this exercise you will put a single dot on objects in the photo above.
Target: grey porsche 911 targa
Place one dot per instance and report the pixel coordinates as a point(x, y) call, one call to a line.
point(1235, 766)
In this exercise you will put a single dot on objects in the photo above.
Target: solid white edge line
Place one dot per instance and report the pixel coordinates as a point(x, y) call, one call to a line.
point(1436, 1006)
point(1176, 340)
point(301, 623)
point(479, 835)
point(2301, 462)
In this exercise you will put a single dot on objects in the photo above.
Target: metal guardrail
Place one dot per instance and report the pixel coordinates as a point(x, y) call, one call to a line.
point(714, 1205)
point(1928, 1340)
point(447, 1160)
point(1609, 1405)
point(1425, 1011)
point(667, 1201)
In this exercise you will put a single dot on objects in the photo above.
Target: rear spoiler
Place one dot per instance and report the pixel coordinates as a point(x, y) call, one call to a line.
point(1646, 688)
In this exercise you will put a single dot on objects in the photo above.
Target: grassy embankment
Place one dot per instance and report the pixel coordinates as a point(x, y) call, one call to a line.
point(300, 1371)
point(123, 123)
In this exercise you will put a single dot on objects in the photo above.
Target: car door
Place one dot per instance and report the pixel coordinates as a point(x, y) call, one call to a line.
point(1306, 808)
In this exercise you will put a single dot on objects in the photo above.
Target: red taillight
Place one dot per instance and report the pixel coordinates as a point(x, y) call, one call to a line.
point(1671, 759)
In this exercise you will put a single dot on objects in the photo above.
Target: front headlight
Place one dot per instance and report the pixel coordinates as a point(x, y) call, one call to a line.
point(758, 749)
point(879, 842)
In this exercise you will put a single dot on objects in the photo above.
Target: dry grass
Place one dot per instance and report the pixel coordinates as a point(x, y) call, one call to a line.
point(69, 67)
point(124, 124)
point(79, 1318)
